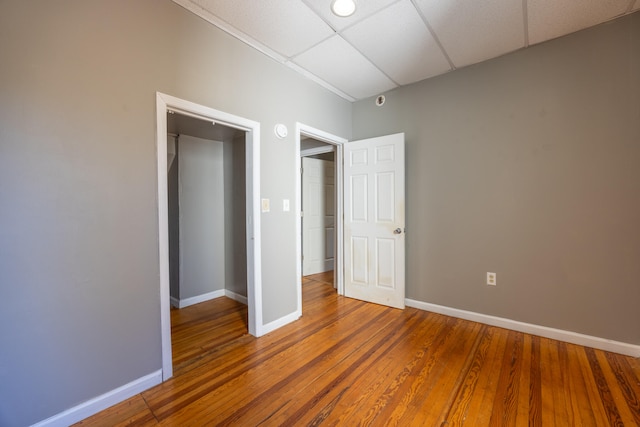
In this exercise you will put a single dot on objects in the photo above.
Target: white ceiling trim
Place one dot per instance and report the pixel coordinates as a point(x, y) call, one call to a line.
point(230, 29)
point(319, 81)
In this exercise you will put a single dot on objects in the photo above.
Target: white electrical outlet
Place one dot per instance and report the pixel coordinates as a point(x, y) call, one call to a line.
point(265, 205)
point(285, 205)
point(491, 279)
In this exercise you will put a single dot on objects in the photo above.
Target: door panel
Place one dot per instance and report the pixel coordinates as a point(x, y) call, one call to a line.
point(374, 220)
point(318, 221)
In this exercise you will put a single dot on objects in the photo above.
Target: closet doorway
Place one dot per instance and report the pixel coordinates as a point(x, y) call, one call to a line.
point(207, 235)
point(210, 209)
point(207, 210)
point(323, 208)
point(318, 207)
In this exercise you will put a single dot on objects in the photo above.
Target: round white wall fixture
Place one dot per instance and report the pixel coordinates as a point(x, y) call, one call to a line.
point(380, 100)
point(281, 131)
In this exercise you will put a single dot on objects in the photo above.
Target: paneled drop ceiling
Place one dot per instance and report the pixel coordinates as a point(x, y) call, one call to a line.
point(391, 43)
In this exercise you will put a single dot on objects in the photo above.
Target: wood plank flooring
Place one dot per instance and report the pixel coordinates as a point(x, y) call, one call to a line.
point(346, 362)
point(201, 329)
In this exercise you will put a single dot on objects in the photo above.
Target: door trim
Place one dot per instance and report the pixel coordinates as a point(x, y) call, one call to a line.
point(337, 142)
point(317, 150)
point(166, 103)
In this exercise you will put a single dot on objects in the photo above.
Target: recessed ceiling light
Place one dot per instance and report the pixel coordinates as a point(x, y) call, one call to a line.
point(343, 8)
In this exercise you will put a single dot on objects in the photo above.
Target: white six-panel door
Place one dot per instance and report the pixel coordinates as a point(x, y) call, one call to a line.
point(374, 230)
point(318, 221)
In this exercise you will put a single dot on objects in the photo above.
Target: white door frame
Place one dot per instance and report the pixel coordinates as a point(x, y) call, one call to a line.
point(166, 103)
point(304, 130)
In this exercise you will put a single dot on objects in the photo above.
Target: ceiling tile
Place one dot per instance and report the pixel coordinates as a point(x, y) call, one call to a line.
point(398, 42)
point(390, 46)
point(342, 66)
point(549, 19)
point(472, 31)
point(364, 9)
point(285, 26)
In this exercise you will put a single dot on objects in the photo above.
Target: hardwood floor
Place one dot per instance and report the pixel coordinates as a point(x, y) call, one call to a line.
point(346, 362)
point(199, 330)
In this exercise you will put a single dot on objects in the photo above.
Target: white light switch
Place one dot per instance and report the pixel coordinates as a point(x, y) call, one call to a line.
point(285, 205)
point(265, 205)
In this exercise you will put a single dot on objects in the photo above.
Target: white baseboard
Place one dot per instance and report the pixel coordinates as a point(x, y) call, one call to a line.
point(272, 326)
point(97, 404)
point(237, 297)
point(200, 298)
point(206, 297)
point(543, 331)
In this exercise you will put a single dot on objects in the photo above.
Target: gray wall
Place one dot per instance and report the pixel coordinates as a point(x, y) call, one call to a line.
point(173, 211)
point(529, 166)
point(235, 238)
point(211, 212)
point(202, 216)
point(79, 237)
